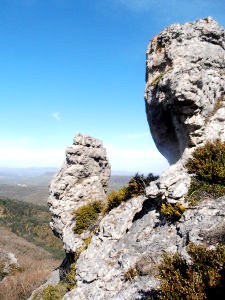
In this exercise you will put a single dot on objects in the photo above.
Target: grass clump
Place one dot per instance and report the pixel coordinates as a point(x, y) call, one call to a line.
point(208, 165)
point(203, 279)
point(208, 162)
point(115, 198)
point(135, 188)
point(201, 189)
point(172, 211)
point(51, 292)
point(57, 292)
point(138, 184)
point(86, 216)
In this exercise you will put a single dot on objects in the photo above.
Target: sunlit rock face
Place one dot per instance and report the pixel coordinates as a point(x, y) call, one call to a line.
point(185, 107)
point(185, 86)
point(84, 177)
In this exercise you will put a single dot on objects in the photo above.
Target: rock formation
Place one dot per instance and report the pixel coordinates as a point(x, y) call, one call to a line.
point(185, 106)
point(83, 178)
point(185, 89)
point(8, 264)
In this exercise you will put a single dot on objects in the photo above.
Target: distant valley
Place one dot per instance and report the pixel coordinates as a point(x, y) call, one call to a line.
point(31, 184)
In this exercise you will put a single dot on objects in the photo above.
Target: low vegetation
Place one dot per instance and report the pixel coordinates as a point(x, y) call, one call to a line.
point(208, 166)
point(130, 274)
point(35, 265)
point(32, 223)
point(135, 188)
point(172, 211)
point(56, 292)
point(86, 216)
point(204, 278)
point(208, 162)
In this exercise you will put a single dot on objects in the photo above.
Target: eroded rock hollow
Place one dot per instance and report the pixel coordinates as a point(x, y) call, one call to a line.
point(185, 107)
point(185, 75)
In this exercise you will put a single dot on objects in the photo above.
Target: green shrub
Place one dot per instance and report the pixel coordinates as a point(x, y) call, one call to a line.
point(70, 280)
point(135, 188)
point(51, 292)
point(172, 212)
point(208, 162)
point(86, 216)
point(201, 189)
point(138, 184)
point(56, 292)
point(203, 279)
point(115, 198)
point(31, 222)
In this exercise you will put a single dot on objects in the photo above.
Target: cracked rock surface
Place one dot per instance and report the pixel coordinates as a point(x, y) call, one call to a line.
point(84, 177)
point(185, 86)
point(185, 106)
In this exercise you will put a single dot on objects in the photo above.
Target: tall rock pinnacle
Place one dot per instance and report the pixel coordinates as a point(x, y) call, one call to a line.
point(83, 178)
point(185, 76)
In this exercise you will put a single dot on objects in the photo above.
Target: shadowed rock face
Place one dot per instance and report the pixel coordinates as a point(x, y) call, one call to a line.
point(84, 177)
point(185, 76)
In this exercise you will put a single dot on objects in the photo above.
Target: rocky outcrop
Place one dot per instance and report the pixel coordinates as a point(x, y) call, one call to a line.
point(185, 89)
point(134, 236)
point(8, 264)
point(185, 106)
point(83, 178)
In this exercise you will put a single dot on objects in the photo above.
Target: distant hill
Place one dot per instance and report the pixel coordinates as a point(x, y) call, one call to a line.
point(31, 184)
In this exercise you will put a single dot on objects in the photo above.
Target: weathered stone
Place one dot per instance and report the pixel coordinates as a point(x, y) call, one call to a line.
point(185, 87)
point(185, 106)
point(8, 263)
point(83, 178)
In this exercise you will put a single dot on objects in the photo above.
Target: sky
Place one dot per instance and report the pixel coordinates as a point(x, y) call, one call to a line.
point(69, 66)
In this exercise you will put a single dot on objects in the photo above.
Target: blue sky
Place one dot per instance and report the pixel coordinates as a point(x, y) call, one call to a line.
point(70, 66)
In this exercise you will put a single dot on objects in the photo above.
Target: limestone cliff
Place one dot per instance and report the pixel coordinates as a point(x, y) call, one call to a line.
point(185, 75)
point(185, 106)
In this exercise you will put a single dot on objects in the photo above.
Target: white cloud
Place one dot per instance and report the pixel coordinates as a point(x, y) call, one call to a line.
point(56, 116)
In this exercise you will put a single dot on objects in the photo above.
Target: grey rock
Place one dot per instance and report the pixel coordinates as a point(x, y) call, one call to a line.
point(101, 268)
point(83, 178)
point(8, 263)
point(185, 107)
point(185, 87)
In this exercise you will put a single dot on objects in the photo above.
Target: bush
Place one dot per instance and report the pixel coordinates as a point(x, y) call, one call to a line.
point(138, 184)
point(115, 198)
point(201, 189)
point(172, 212)
point(135, 188)
point(208, 162)
point(51, 292)
point(86, 216)
point(203, 279)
